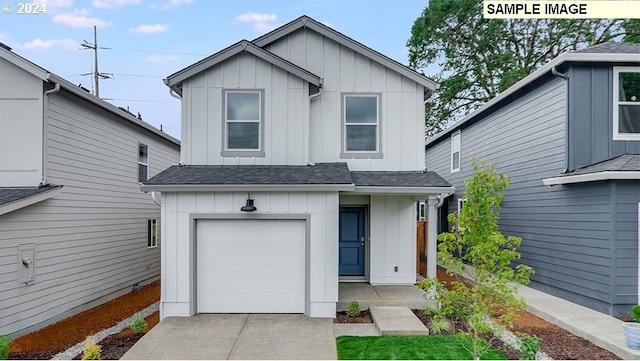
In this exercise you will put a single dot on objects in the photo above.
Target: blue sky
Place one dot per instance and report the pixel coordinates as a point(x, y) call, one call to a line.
point(152, 39)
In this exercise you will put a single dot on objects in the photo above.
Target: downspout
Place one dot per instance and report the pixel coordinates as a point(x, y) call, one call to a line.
point(174, 94)
point(45, 114)
point(308, 135)
point(154, 196)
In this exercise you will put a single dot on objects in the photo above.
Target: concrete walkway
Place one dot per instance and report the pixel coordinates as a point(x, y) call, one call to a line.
point(598, 328)
point(380, 295)
point(245, 337)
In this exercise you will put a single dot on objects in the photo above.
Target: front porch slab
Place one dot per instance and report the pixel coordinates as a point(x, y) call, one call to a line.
point(381, 295)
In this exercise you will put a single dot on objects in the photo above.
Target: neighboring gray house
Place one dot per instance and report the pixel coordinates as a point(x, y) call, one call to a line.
point(301, 163)
point(75, 230)
point(568, 136)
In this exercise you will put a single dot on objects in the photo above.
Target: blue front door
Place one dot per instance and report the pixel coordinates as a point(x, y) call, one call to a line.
point(352, 237)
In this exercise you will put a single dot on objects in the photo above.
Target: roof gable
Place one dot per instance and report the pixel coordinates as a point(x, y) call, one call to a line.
point(309, 23)
point(175, 80)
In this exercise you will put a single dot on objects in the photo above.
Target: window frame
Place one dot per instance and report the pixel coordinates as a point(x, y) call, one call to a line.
point(458, 150)
point(361, 154)
point(233, 152)
point(152, 233)
point(461, 202)
point(616, 103)
point(141, 163)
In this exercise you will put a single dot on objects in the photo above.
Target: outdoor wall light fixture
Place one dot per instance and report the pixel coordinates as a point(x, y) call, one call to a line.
point(249, 207)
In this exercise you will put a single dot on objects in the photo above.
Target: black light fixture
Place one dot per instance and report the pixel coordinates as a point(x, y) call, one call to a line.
point(249, 207)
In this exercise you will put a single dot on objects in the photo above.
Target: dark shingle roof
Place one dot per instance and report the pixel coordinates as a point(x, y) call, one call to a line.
point(321, 173)
point(612, 48)
point(398, 179)
point(625, 162)
point(12, 194)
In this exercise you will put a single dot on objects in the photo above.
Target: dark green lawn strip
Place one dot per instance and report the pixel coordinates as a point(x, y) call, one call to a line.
point(407, 348)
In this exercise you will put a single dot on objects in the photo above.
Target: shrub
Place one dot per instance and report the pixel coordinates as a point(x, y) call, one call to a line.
point(354, 309)
point(439, 325)
point(430, 310)
point(529, 346)
point(635, 313)
point(91, 350)
point(4, 347)
point(138, 325)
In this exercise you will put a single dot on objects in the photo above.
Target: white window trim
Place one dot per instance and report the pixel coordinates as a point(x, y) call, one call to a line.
point(235, 152)
point(616, 102)
point(152, 240)
point(453, 151)
point(422, 210)
point(461, 202)
point(142, 163)
point(373, 154)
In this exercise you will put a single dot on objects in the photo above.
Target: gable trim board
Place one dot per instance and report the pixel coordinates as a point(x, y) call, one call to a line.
point(174, 81)
point(35, 196)
point(591, 177)
point(305, 21)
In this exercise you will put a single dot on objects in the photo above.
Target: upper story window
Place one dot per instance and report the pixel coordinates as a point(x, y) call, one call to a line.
point(361, 126)
point(455, 152)
point(143, 162)
point(626, 103)
point(243, 133)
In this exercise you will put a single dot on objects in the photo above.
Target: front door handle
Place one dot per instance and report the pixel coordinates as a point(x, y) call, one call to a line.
point(362, 241)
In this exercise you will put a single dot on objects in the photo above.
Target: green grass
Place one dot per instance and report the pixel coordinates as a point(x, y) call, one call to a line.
point(407, 348)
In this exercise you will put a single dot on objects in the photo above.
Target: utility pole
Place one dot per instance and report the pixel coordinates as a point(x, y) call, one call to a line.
point(97, 75)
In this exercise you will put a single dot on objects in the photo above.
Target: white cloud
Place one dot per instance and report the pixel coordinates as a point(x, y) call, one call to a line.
point(162, 58)
point(113, 4)
point(39, 44)
point(79, 21)
point(150, 29)
point(262, 23)
point(58, 3)
point(171, 4)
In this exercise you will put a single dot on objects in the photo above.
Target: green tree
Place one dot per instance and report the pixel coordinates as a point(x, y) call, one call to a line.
point(478, 58)
point(481, 258)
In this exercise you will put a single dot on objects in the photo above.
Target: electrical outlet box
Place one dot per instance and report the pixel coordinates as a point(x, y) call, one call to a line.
point(27, 263)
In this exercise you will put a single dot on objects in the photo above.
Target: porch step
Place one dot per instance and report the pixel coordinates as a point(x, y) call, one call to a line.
point(397, 320)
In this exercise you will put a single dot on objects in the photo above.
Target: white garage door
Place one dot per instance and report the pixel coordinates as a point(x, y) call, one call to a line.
point(250, 266)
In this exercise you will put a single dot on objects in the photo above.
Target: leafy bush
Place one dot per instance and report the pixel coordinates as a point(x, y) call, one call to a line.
point(91, 350)
point(138, 325)
point(354, 309)
point(4, 347)
point(635, 313)
point(439, 325)
point(529, 346)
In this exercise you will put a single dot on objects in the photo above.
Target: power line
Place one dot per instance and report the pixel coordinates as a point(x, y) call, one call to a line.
point(159, 52)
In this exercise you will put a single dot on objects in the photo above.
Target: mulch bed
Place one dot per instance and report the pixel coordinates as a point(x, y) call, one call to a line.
point(364, 317)
point(51, 340)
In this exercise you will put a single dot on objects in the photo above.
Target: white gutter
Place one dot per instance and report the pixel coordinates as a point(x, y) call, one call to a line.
point(45, 115)
point(592, 177)
point(403, 190)
point(174, 94)
point(247, 187)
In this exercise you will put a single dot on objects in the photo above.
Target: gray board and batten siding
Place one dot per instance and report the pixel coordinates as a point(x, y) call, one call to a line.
point(91, 239)
point(581, 239)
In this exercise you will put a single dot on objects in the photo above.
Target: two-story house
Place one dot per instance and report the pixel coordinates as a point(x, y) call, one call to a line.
point(75, 230)
point(568, 136)
point(301, 163)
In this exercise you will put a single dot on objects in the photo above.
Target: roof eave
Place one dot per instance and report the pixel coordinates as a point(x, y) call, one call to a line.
point(246, 187)
point(592, 177)
point(404, 190)
point(27, 201)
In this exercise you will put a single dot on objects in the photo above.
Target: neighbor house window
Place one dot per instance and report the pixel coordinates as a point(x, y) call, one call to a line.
point(626, 103)
point(361, 126)
point(455, 152)
point(461, 202)
point(243, 123)
point(143, 162)
point(152, 233)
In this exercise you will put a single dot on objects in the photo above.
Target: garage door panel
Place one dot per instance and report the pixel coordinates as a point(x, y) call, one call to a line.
point(250, 266)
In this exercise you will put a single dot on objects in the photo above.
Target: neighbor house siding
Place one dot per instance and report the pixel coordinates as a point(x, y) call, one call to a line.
point(590, 130)
point(285, 105)
point(20, 127)
point(91, 239)
point(566, 230)
point(345, 71)
point(176, 298)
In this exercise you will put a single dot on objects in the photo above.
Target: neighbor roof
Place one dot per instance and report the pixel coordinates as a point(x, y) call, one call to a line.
point(12, 198)
point(611, 52)
point(626, 166)
point(174, 81)
point(307, 22)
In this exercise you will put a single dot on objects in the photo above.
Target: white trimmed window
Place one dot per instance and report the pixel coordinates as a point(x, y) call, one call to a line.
point(626, 103)
point(455, 152)
point(152, 233)
point(243, 123)
point(461, 202)
point(422, 210)
point(143, 162)
point(361, 124)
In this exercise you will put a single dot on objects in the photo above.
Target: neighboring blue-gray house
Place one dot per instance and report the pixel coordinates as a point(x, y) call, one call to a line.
point(568, 136)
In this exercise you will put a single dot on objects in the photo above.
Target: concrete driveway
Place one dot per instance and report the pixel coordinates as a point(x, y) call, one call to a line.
point(224, 336)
